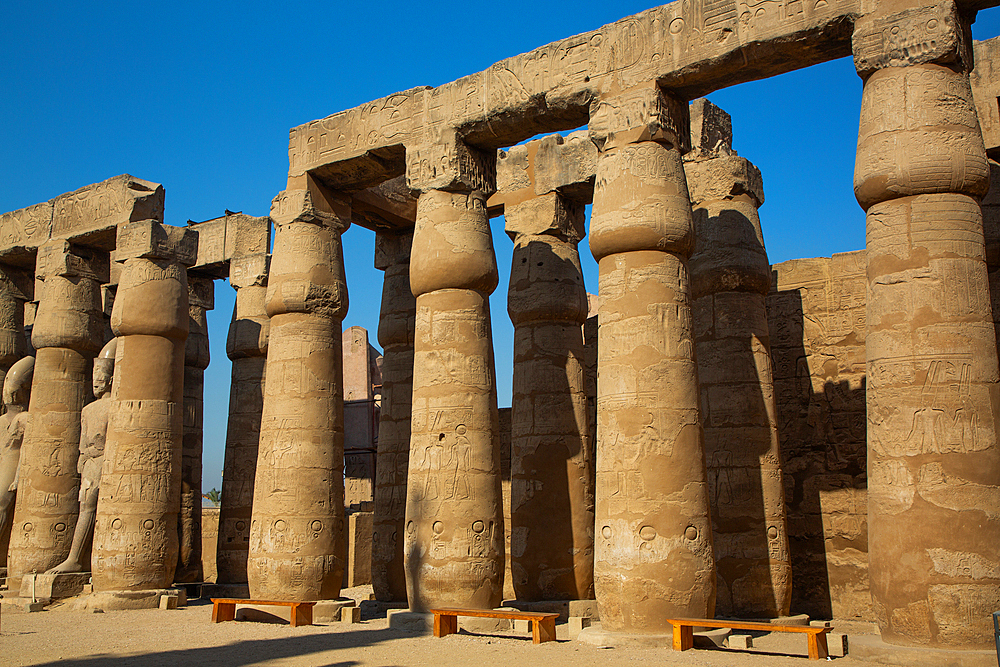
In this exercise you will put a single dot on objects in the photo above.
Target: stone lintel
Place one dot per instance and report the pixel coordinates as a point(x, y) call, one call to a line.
point(450, 164)
point(23, 230)
point(912, 36)
point(642, 113)
point(249, 270)
point(392, 249)
point(231, 235)
point(985, 80)
point(711, 128)
point(724, 176)
point(551, 164)
point(311, 206)
point(153, 240)
point(550, 214)
point(59, 257)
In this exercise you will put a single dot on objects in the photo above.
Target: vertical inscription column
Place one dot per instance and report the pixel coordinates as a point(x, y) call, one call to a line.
point(67, 334)
point(246, 346)
point(552, 494)
point(730, 276)
point(933, 459)
point(395, 335)
point(297, 532)
point(135, 533)
point(453, 553)
point(201, 299)
point(653, 552)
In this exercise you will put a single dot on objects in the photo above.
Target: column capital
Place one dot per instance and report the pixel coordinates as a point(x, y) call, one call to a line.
point(450, 164)
point(723, 177)
point(310, 206)
point(550, 214)
point(642, 113)
point(148, 239)
point(915, 35)
point(61, 258)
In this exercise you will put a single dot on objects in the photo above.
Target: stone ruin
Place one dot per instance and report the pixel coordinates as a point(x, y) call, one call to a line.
point(729, 438)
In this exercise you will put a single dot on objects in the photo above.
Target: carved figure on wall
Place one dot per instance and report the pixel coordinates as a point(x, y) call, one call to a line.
point(93, 431)
point(16, 390)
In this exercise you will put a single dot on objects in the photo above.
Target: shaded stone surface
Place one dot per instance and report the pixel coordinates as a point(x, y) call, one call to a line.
point(933, 459)
point(135, 533)
point(16, 393)
point(297, 529)
point(395, 335)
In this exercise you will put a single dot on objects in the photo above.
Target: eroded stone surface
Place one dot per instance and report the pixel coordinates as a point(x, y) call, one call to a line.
point(16, 392)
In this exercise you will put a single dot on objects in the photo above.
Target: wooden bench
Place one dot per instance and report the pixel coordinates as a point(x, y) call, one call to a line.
point(543, 625)
point(684, 632)
point(224, 609)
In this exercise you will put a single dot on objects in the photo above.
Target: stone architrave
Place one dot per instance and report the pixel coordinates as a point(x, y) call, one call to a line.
point(246, 346)
point(454, 541)
point(552, 492)
point(730, 278)
point(395, 335)
point(135, 533)
point(653, 554)
point(933, 458)
point(68, 333)
point(297, 530)
point(201, 299)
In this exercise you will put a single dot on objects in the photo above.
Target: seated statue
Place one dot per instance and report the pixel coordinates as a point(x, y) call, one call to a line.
point(93, 431)
point(16, 389)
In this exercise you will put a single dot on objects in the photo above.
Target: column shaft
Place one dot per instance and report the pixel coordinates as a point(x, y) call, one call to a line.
point(395, 334)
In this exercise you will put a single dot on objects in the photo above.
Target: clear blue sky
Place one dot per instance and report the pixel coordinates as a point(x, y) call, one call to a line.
point(200, 97)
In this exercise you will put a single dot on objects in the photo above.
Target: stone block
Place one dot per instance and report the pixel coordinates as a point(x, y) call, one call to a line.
point(797, 619)
point(249, 270)
point(913, 36)
point(548, 214)
point(246, 235)
point(643, 113)
point(985, 80)
point(153, 240)
point(722, 177)
point(450, 164)
point(211, 242)
point(100, 208)
point(30, 606)
point(711, 127)
point(350, 615)
point(740, 641)
point(836, 643)
point(489, 626)
point(566, 165)
point(358, 539)
point(520, 625)
point(410, 621)
point(329, 611)
point(168, 602)
point(584, 609)
point(576, 624)
point(24, 229)
point(60, 258)
point(47, 587)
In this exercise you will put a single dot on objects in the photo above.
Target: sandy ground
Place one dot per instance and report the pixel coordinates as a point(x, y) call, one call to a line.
point(187, 636)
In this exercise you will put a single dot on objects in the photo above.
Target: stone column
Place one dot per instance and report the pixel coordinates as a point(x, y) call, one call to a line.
point(201, 299)
point(653, 554)
point(297, 531)
point(135, 534)
point(933, 460)
point(453, 551)
point(552, 493)
point(247, 348)
point(16, 288)
point(395, 335)
point(730, 277)
point(68, 332)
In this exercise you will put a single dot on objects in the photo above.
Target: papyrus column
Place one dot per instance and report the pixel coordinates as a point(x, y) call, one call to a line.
point(653, 554)
point(297, 532)
point(67, 334)
point(453, 551)
point(201, 299)
point(730, 276)
point(933, 460)
point(552, 493)
point(395, 335)
point(246, 346)
point(135, 533)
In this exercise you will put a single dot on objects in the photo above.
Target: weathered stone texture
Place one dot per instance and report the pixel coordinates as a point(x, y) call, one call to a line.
point(816, 316)
point(985, 81)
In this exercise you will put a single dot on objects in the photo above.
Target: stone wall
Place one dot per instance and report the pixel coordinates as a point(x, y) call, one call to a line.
point(816, 314)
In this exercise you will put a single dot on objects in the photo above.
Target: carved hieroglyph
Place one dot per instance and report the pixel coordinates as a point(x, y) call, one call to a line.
point(201, 299)
point(453, 551)
point(135, 534)
point(297, 530)
point(67, 334)
point(395, 335)
point(653, 552)
point(730, 277)
point(246, 346)
point(552, 492)
point(933, 459)
point(16, 392)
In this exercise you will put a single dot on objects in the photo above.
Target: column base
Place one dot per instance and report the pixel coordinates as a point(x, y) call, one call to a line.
point(125, 600)
point(48, 587)
point(598, 636)
point(565, 608)
point(871, 648)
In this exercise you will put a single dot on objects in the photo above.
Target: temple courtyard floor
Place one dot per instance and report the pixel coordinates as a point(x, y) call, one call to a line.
point(72, 638)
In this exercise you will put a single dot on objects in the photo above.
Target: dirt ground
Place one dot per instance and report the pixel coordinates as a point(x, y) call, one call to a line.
point(187, 636)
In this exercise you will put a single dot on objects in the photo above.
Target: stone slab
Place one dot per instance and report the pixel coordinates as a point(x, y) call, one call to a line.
point(598, 636)
point(123, 600)
point(48, 587)
point(411, 621)
point(740, 641)
point(871, 648)
point(328, 611)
